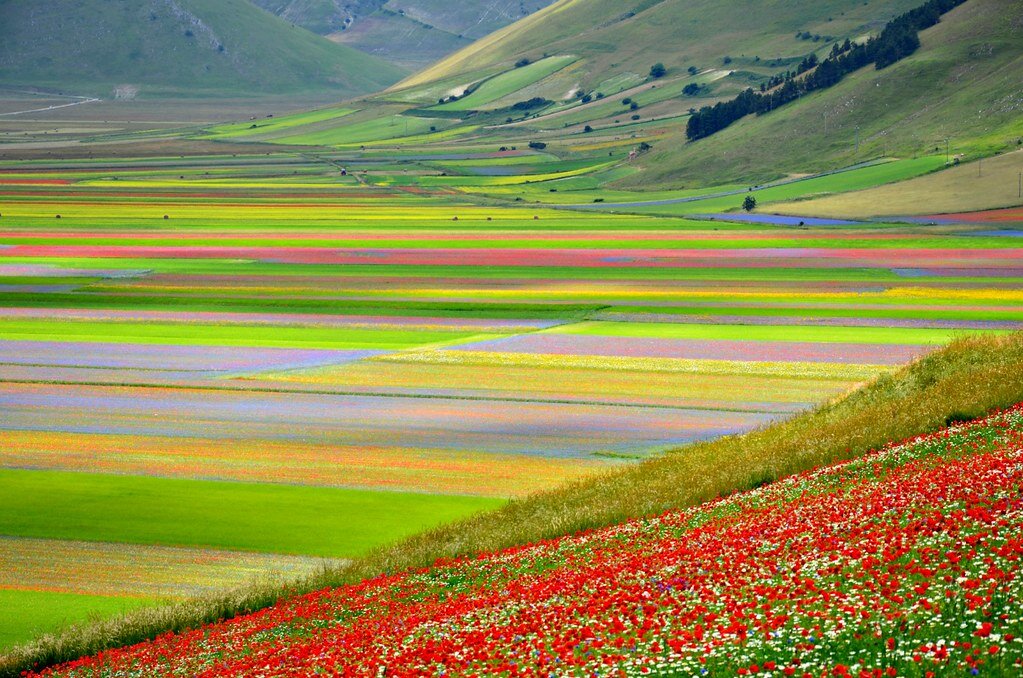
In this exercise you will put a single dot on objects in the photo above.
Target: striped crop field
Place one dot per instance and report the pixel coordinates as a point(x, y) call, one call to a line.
point(198, 355)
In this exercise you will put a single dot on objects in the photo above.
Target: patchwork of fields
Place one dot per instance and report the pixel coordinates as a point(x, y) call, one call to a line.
point(901, 562)
point(227, 366)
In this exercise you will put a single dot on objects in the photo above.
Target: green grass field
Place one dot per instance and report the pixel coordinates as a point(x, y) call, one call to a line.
point(334, 523)
point(192, 334)
point(857, 179)
point(29, 614)
point(238, 130)
point(506, 83)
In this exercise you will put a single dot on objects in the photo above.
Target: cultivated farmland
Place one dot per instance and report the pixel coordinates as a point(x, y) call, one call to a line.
point(262, 348)
point(199, 354)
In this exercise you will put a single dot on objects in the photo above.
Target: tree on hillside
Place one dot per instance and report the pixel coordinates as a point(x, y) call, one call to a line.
point(750, 203)
point(658, 70)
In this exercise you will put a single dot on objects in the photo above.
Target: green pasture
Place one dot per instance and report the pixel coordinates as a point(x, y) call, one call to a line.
point(197, 334)
point(839, 182)
point(498, 180)
point(28, 614)
point(506, 83)
point(271, 337)
point(376, 129)
point(263, 126)
point(291, 519)
point(807, 333)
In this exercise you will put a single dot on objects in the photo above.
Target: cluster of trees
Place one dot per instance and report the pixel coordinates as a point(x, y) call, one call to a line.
point(529, 104)
point(816, 37)
point(897, 40)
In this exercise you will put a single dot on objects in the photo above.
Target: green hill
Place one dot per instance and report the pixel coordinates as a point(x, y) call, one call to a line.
point(963, 85)
point(174, 47)
point(616, 38)
point(411, 34)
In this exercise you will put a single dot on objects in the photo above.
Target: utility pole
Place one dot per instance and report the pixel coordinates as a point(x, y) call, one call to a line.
point(857, 139)
point(946, 150)
point(1019, 190)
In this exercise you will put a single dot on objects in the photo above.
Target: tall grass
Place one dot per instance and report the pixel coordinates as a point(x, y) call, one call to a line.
point(966, 379)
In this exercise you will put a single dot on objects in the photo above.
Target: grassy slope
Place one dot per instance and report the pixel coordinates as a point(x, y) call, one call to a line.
point(410, 34)
point(69, 45)
point(319, 16)
point(679, 34)
point(507, 83)
point(966, 379)
point(983, 184)
point(964, 84)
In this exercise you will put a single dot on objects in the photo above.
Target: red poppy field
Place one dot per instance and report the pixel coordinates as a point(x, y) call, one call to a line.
point(902, 562)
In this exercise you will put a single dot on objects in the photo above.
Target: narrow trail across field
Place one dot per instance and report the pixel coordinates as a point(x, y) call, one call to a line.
point(78, 101)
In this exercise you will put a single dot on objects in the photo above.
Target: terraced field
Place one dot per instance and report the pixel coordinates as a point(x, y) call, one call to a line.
point(192, 348)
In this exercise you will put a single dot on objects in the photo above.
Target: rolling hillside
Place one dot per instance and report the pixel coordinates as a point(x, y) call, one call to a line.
point(615, 38)
point(411, 34)
point(174, 47)
point(965, 84)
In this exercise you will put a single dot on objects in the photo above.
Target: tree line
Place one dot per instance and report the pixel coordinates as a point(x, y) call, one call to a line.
point(898, 39)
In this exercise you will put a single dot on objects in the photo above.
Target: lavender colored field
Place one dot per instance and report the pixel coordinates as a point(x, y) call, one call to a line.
point(286, 319)
point(496, 426)
point(784, 351)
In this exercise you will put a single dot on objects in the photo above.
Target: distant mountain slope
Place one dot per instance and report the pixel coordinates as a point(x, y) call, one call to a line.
point(622, 36)
point(409, 33)
point(176, 47)
point(964, 85)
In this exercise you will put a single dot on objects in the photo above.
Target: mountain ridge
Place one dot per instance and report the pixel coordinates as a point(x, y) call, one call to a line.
point(175, 48)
